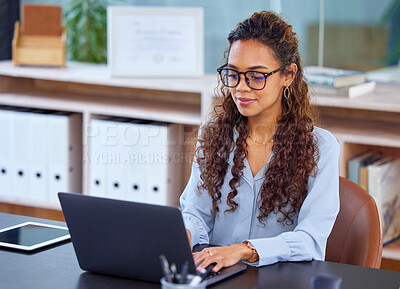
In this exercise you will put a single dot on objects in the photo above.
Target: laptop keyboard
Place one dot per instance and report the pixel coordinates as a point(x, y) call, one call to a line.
point(212, 274)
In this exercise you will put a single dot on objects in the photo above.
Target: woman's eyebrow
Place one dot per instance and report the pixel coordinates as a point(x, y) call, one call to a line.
point(231, 66)
point(252, 67)
point(258, 67)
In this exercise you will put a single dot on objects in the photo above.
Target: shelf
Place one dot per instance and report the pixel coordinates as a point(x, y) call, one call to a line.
point(97, 74)
point(29, 203)
point(392, 250)
point(164, 112)
point(385, 98)
point(364, 132)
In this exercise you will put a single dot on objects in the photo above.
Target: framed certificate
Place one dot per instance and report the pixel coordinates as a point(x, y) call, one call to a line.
point(155, 41)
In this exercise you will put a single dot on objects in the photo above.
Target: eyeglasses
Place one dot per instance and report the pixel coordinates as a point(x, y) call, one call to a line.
point(254, 79)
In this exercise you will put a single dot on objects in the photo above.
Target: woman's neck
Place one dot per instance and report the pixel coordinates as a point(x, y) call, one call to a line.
point(262, 130)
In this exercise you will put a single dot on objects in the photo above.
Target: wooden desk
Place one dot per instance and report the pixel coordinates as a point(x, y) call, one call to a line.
point(57, 267)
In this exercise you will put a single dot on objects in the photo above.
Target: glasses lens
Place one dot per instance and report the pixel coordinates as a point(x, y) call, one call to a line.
point(255, 80)
point(229, 77)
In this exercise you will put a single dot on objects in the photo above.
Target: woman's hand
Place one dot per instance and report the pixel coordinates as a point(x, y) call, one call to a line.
point(223, 256)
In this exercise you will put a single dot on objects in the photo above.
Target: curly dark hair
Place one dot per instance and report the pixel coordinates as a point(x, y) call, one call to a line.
point(295, 151)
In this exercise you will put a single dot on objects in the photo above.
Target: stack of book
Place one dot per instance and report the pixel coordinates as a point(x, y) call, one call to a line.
point(379, 175)
point(338, 82)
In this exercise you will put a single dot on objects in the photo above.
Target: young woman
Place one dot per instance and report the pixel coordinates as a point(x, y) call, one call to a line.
point(264, 184)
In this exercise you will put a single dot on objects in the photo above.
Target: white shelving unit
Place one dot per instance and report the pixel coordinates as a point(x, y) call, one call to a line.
point(89, 90)
point(370, 121)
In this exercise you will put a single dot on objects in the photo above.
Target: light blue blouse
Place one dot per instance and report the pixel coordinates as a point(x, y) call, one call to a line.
point(304, 240)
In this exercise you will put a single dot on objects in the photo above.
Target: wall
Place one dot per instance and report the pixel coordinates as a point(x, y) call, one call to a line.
point(221, 16)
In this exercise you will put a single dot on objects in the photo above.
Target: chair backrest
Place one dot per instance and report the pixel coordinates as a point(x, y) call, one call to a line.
point(356, 237)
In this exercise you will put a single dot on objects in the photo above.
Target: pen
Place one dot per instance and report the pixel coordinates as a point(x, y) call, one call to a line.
point(183, 274)
point(174, 272)
point(165, 268)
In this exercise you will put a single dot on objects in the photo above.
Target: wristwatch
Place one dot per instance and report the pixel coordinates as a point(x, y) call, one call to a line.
point(254, 257)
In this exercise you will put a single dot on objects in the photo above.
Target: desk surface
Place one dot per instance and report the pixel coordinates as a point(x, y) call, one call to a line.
point(57, 267)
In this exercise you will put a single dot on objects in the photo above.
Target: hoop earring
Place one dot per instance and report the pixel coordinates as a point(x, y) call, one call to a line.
point(286, 92)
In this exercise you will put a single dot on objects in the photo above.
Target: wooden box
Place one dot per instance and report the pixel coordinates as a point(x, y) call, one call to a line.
point(40, 40)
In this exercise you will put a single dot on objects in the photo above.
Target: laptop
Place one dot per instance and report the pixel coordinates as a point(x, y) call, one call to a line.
point(125, 239)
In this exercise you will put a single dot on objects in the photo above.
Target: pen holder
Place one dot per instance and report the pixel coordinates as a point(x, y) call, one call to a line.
point(167, 285)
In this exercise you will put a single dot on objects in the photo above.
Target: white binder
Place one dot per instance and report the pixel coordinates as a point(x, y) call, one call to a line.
point(114, 148)
point(135, 174)
point(110, 150)
point(127, 139)
point(21, 171)
point(65, 155)
point(6, 152)
point(132, 160)
point(38, 157)
point(97, 158)
point(155, 147)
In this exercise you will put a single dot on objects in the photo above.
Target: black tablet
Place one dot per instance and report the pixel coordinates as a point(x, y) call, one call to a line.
point(29, 236)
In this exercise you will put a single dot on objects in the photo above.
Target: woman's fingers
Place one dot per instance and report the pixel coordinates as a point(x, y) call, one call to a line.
point(217, 267)
point(199, 257)
point(223, 257)
point(204, 258)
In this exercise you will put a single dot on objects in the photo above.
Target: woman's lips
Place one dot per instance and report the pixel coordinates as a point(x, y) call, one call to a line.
point(245, 101)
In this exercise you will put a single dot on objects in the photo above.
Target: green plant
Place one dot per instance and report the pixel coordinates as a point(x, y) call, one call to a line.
point(86, 22)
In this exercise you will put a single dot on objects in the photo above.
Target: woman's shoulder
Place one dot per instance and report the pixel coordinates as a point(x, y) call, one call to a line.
point(325, 139)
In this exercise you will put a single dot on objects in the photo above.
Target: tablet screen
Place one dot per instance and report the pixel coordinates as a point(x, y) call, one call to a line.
point(29, 236)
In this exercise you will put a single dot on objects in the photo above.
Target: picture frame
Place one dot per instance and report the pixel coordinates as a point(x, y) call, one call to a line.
point(155, 41)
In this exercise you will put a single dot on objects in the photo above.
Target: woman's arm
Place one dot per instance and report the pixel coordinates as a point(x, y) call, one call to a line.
point(196, 206)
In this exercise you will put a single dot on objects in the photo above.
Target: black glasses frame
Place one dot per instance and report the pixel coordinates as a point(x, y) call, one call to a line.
point(266, 74)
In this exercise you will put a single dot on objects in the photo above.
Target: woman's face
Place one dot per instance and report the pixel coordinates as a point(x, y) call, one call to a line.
point(255, 56)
